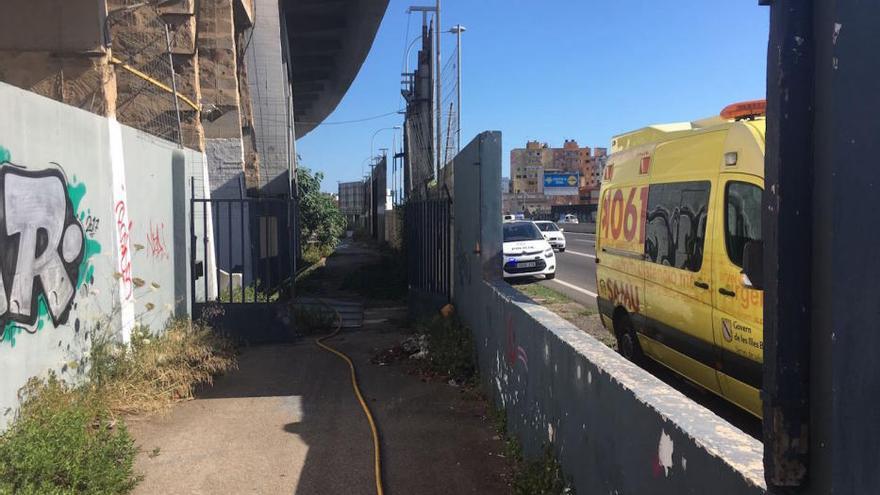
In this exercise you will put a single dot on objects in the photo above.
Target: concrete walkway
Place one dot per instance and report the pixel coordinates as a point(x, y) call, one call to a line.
point(287, 422)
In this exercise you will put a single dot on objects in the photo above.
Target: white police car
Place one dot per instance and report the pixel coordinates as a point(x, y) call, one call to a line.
point(526, 253)
point(552, 233)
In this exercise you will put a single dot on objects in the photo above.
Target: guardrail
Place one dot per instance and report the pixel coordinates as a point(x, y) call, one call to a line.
point(583, 228)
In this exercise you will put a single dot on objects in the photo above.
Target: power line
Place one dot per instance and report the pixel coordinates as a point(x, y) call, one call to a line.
point(354, 121)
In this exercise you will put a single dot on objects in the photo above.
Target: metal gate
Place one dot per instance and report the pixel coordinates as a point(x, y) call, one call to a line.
point(242, 263)
point(428, 238)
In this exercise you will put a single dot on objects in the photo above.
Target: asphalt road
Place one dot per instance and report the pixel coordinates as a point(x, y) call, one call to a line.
point(576, 269)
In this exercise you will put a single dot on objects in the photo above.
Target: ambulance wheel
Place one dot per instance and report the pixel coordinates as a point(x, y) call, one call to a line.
point(627, 342)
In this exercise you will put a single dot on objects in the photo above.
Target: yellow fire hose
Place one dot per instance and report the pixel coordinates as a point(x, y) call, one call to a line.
point(377, 463)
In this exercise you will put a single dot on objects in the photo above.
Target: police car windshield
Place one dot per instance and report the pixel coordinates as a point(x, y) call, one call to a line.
point(521, 231)
point(547, 226)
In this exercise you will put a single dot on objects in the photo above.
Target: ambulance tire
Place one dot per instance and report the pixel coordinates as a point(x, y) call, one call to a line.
point(627, 341)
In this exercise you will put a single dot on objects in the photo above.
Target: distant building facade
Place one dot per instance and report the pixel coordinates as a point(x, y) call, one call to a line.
point(352, 201)
point(529, 165)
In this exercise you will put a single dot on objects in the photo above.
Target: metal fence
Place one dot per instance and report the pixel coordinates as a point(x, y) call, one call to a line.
point(253, 248)
point(428, 244)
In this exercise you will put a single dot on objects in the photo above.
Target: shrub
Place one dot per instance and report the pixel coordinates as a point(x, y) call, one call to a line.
point(64, 441)
point(157, 370)
point(314, 252)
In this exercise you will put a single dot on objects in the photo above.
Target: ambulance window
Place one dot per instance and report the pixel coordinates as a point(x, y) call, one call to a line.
point(742, 218)
point(676, 224)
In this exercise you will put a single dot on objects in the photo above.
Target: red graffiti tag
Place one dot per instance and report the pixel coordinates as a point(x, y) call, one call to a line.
point(621, 294)
point(123, 230)
point(513, 352)
point(155, 239)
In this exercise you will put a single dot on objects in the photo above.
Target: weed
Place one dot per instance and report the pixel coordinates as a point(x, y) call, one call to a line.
point(251, 293)
point(451, 348)
point(311, 320)
point(499, 421)
point(541, 476)
point(64, 441)
point(157, 370)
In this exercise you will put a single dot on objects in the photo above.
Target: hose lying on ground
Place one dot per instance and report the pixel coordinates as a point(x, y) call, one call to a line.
point(377, 458)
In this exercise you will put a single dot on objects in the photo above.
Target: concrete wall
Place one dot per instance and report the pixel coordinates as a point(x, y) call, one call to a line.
point(94, 235)
point(267, 78)
point(614, 427)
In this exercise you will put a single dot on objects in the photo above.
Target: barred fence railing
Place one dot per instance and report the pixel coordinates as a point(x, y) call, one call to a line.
point(428, 242)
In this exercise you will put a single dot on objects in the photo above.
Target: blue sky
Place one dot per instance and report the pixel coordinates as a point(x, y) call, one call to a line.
point(553, 70)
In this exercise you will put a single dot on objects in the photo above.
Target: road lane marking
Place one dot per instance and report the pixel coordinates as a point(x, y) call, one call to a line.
point(579, 233)
point(585, 241)
point(574, 287)
point(580, 254)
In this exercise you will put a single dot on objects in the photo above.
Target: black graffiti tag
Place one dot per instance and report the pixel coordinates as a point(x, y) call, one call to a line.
point(41, 245)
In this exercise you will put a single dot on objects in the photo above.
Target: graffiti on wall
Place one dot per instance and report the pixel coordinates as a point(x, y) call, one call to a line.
point(156, 240)
point(513, 352)
point(44, 250)
point(123, 236)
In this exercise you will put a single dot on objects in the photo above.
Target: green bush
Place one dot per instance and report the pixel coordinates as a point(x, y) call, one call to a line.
point(314, 252)
point(65, 442)
point(319, 215)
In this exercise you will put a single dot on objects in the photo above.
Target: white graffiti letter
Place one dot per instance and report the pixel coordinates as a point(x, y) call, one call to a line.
point(33, 204)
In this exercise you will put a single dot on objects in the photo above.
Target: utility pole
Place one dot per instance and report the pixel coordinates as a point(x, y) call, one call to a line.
point(435, 105)
point(457, 30)
point(438, 68)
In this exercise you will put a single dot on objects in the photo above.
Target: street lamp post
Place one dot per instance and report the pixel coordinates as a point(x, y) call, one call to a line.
point(437, 69)
point(457, 30)
point(372, 139)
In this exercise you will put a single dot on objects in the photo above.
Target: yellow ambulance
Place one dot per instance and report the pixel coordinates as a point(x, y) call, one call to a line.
point(679, 249)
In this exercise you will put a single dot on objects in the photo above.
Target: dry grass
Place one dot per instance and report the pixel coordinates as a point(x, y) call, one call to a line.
point(577, 314)
point(158, 370)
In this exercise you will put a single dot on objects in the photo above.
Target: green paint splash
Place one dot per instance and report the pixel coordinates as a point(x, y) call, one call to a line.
point(76, 191)
point(12, 329)
point(5, 155)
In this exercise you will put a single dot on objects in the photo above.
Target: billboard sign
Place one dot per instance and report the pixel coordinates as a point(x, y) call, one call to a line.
point(561, 184)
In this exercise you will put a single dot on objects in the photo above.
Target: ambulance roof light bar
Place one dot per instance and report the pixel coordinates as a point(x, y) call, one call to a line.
point(745, 110)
